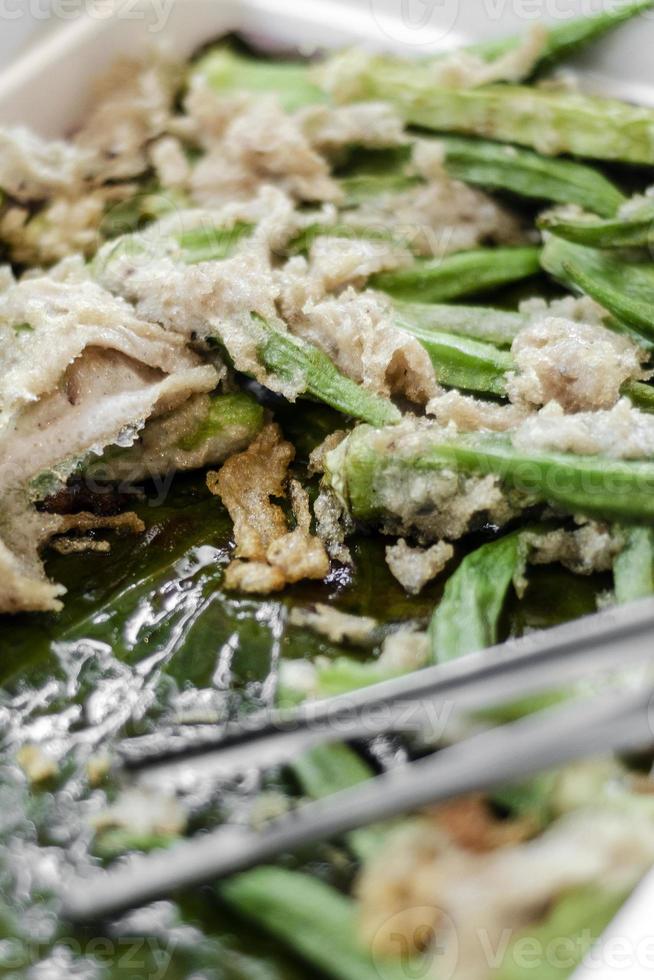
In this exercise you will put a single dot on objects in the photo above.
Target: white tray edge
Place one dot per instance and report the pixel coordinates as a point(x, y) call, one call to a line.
point(47, 89)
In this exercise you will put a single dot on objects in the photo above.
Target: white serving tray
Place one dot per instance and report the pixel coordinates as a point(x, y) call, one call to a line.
point(47, 88)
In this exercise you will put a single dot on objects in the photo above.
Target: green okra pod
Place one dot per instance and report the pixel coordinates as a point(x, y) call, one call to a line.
point(329, 769)
point(483, 323)
point(625, 289)
point(369, 174)
point(280, 353)
point(311, 918)
point(633, 569)
point(468, 616)
point(568, 37)
point(633, 231)
point(212, 244)
point(647, 343)
point(340, 675)
point(360, 188)
point(291, 358)
point(203, 244)
point(463, 362)
point(640, 394)
point(202, 431)
point(430, 280)
point(215, 427)
point(495, 166)
point(499, 166)
point(228, 72)
point(225, 413)
point(460, 362)
point(462, 274)
point(376, 472)
point(550, 121)
point(333, 768)
point(303, 241)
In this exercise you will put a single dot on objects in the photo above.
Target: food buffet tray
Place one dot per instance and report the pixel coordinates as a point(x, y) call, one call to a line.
point(48, 88)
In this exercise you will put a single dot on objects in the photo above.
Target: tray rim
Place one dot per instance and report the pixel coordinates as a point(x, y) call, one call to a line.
point(74, 52)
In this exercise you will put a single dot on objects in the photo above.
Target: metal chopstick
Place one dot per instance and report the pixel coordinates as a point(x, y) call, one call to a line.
point(611, 722)
point(610, 640)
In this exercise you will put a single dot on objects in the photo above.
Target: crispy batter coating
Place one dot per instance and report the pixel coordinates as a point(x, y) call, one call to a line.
point(592, 547)
point(356, 329)
point(471, 414)
point(251, 141)
point(254, 576)
point(128, 523)
point(414, 567)
point(472, 825)
point(24, 586)
point(81, 373)
point(246, 484)
point(622, 432)
point(332, 525)
point(133, 106)
point(404, 651)
point(274, 556)
point(579, 365)
point(428, 878)
point(337, 626)
point(439, 217)
point(330, 129)
point(299, 555)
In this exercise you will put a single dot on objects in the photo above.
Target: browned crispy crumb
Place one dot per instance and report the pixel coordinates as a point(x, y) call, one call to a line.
point(472, 825)
point(37, 764)
point(246, 483)
point(300, 505)
point(254, 576)
point(641, 783)
point(78, 542)
point(127, 523)
point(77, 546)
point(299, 555)
point(274, 556)
point(423, 880)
